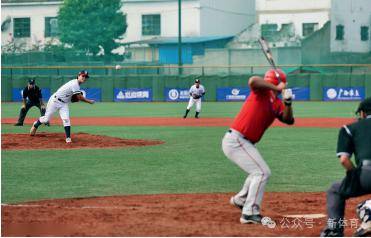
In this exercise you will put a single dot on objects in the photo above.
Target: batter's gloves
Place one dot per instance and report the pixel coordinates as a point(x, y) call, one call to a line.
point(287, 96)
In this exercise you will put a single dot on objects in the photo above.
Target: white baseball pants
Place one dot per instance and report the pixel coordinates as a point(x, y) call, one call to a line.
point(194, 101)
point(53, 106)
point(243, 153)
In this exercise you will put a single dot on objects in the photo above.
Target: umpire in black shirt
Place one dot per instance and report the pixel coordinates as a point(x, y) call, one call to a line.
point(31, 97)
point(354, 139)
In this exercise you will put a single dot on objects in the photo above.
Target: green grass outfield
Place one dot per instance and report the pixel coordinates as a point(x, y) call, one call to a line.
point(191, 160)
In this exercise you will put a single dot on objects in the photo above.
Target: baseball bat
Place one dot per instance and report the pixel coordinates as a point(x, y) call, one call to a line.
point(268, 54)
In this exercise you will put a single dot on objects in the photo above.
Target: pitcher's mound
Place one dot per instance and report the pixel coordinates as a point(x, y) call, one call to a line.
point(57, 141)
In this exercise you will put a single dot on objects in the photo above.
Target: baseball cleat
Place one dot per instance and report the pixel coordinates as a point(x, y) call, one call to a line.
point(363, 230)
point(234, 203)
point(18, 124)
point(33, 130)
point(68, 140)
point(331, 233)
point(250, 219)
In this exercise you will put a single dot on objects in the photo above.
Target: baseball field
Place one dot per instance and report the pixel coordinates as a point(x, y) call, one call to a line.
point(139, 169)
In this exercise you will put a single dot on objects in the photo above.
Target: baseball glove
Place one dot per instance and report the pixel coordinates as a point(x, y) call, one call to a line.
point(75, 97)
point(195, 96)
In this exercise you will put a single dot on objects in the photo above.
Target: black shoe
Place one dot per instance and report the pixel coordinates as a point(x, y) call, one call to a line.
point(196, 117)
point(332, 233)
point(47, 124)
point(251, 219)
point(18, 124)
point(361, 232)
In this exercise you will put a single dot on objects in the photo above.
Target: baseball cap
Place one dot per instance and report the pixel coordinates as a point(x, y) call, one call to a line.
point(365, 106)
point(197, 81)
point(271, 76)
point(84, 73)
point(31, 81)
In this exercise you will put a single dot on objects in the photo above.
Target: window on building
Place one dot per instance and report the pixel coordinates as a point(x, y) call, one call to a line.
point(339, 32)
point(365, 35)
point(51, 26)
point(22, 27)
point(309, 28)
point(151, 25)
point(268, 30)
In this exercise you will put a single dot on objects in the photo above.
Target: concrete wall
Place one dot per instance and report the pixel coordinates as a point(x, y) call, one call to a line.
point(36, 12)
point(169, 18)
point(293, 11)
point(220, 17)
point(352, 15)
point(199, 17)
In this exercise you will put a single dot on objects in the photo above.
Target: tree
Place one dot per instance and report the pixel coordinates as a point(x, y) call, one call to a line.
point(88, 24)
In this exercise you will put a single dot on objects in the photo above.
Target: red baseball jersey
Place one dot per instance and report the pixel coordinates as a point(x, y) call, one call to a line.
point(258, 112)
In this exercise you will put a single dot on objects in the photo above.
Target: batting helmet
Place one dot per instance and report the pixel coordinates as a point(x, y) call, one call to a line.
point(271, 76)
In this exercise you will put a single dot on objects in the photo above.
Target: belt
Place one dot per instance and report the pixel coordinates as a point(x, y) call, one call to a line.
point(59, 99)
point(231, 131)
point(366, 163)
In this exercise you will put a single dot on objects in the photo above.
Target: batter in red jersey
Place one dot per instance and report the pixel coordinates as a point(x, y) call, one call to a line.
point(258, 112)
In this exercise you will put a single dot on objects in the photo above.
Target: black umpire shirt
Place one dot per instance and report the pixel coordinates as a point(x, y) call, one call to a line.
point(33, 94)
point(356, 138)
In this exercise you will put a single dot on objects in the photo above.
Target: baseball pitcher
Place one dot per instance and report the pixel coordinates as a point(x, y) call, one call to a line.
point(258, 112)
point(196, 92)
point(69, 92)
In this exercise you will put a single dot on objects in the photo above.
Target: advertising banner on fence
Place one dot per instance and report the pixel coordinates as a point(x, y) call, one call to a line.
point(232, 94)
point(132, 94)
point(176, 94)
point(343, 94)
point(300, 94)
point(17, 94)
point(92, 93)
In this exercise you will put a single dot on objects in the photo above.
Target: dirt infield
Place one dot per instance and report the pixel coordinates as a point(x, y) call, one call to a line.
point(172, 121)
point(160, 215)
point(167, 215)
point(56, 141)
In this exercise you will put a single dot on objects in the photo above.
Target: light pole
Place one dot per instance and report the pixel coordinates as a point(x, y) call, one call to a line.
point(180, 37)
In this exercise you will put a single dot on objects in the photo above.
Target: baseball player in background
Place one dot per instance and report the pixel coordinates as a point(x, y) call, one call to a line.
point(258, 112)
point(196, 92)
point(354, 139)
point(31, 96)
point(59, 102)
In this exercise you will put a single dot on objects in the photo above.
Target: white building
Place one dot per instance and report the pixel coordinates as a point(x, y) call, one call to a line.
point(306, 16)
point(350, 26)
point(159, 18)
point(29, 23)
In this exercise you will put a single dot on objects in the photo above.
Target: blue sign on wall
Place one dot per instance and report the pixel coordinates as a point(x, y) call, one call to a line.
point(132, 94)
point(17, 94)
point(300, 93)
point(92, 93)
point(176, 94)
point(232, 94)
point(343, 94)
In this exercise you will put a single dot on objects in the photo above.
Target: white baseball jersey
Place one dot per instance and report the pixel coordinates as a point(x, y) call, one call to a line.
point(65, 92)
point(59, 102)
point(197, 91)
